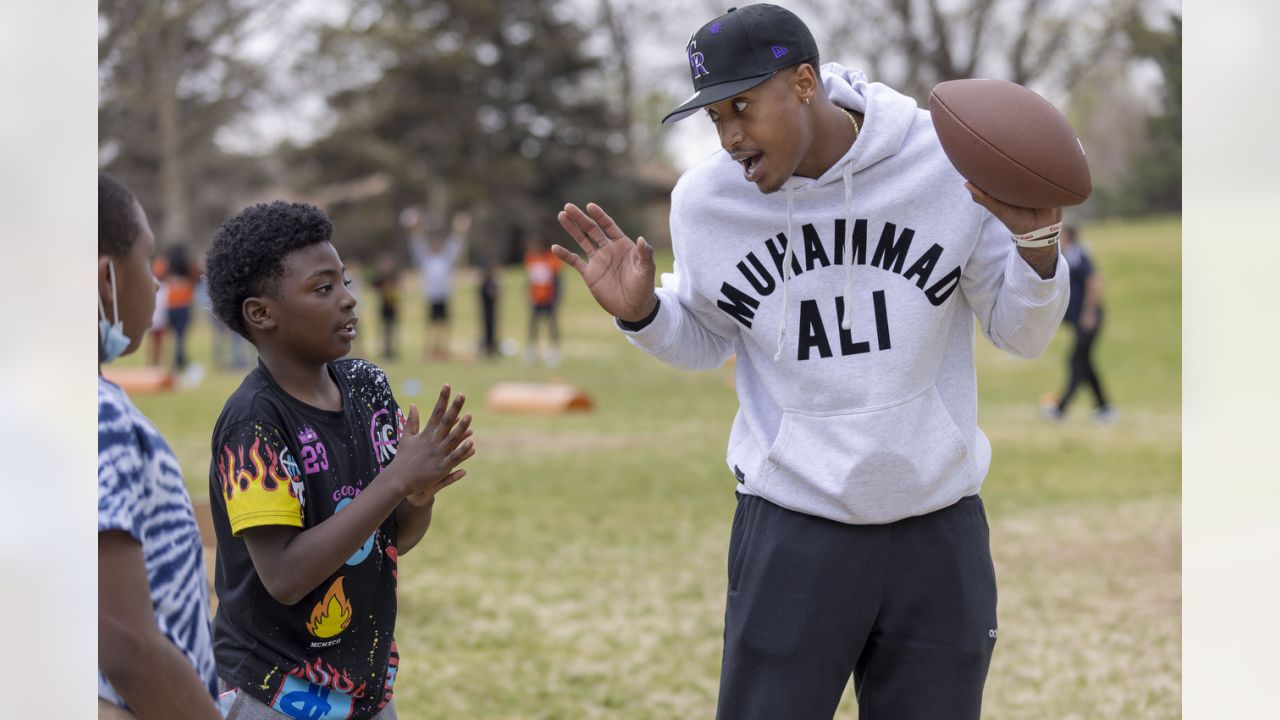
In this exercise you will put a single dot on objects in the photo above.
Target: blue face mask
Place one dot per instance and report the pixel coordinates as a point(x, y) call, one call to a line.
point(111, 335)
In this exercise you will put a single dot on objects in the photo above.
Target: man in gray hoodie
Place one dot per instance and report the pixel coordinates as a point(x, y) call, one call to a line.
point(846, 281)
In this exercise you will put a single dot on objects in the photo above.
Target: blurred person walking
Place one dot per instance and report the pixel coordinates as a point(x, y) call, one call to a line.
point(1084, 314)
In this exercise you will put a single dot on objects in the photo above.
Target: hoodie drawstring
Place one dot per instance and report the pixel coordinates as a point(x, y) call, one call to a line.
point(847, 173)
point(786, 275)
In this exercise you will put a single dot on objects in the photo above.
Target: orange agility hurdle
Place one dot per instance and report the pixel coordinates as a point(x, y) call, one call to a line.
point(545, 398)
point(140, 380)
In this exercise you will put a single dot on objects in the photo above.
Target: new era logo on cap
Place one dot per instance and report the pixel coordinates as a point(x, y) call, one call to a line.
point(741, 49)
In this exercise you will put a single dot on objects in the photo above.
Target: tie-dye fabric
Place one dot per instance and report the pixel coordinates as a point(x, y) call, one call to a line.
point(140, 492)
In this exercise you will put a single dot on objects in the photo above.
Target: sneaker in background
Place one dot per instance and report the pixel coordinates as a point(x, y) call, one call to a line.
point(1049, 407)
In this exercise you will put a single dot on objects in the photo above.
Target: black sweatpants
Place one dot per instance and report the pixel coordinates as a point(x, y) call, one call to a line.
point(908, 608)
point(1082, 369)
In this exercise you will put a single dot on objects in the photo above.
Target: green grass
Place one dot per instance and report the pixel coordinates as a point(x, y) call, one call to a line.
point(578, 571)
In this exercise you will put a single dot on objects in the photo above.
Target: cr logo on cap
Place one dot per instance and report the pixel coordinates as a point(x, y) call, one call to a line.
point(695, 60)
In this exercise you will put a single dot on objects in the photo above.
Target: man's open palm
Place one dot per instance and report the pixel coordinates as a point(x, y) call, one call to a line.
point(619, 272)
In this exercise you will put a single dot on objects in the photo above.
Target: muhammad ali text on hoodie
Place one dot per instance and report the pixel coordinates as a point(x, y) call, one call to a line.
point(893, 250)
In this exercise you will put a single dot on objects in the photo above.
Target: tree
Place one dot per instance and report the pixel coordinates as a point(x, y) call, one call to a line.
point(490, 104)
point(1157, 171)
point(914, 44)
point(1077, 49)
point(1133, 133)
point(170, 77)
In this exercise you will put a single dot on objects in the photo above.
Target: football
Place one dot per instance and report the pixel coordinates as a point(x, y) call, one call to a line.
point(1010, 142)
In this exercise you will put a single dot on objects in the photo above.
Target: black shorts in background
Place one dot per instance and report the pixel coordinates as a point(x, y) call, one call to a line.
point(438, 311)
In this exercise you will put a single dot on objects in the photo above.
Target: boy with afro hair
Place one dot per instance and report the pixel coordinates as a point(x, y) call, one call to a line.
point(318, 482)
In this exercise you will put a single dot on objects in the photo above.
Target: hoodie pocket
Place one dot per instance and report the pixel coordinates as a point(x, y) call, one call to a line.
point(872, 465)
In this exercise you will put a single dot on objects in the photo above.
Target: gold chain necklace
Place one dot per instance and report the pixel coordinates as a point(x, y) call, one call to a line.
point(852, 120)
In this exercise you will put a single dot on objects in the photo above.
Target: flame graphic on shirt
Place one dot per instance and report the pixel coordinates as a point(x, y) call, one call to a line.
point(323, 674)
point(332, 614)
point(273, 471)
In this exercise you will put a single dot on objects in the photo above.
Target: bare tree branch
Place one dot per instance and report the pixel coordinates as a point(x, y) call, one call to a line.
point(979, 21)
point(913, 48)
point(943, 63)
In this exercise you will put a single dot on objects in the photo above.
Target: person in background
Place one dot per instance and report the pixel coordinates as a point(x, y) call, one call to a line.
point(386, 281)
point(435, 257)
point(1084, 314)
point(180, 282)
point(228, 347)
point(542, 271)
point(489, 308)
point(155, 652)
point(159, 319)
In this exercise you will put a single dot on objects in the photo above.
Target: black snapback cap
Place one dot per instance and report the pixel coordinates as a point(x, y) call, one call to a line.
point(739, 50)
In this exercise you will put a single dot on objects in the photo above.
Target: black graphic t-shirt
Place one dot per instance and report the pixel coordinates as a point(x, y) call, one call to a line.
point(279, 461)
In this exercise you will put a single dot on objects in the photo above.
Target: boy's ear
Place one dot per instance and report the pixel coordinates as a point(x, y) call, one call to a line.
point(259, 314)
point(804, 81)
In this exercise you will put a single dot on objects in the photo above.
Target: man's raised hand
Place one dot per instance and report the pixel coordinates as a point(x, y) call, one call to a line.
point(619, 272)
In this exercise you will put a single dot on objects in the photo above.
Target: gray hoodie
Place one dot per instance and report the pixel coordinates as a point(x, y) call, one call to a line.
point(855, 368)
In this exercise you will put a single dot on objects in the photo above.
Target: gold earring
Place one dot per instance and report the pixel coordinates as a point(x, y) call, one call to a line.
point(806, 101)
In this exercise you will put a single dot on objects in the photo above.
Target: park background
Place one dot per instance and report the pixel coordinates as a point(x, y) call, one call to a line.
point(578, 572)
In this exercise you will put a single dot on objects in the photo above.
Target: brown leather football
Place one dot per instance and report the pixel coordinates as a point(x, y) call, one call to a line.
point(1010, 142)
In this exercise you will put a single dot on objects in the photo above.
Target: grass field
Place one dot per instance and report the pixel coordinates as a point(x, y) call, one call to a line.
point(579, 570)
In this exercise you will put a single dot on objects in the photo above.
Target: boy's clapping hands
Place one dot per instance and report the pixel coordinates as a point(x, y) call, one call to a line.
point(427, 461)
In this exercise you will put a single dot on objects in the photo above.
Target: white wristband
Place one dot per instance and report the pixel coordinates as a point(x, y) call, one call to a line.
point(1043, 237)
